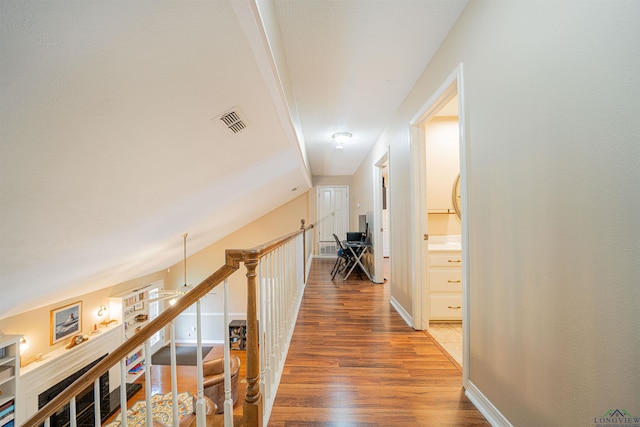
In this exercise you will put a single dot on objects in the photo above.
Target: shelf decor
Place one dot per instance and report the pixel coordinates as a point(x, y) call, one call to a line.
point(66, 321)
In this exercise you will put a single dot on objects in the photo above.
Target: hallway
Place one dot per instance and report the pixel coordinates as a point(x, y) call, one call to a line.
point(353, 361)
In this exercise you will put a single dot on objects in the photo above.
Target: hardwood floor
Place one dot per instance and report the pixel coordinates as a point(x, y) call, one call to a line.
point(353, 361)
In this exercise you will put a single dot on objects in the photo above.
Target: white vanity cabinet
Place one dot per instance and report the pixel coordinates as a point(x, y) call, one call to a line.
point(445, 283)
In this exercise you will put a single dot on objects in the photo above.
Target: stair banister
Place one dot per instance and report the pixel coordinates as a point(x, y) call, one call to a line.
point(252, 408)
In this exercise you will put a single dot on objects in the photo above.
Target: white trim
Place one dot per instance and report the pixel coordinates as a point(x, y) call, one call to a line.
point(376, 227)
point(464, 206)
point(401, 311)
point(486, 408)
point(419, 224)
point(453, 84)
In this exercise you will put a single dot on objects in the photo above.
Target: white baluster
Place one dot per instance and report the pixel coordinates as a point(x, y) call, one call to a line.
point(147, 382)
point(96, 403)
point(266, 326)
point(72, 412)
point(123, 393)
point(261, 322)
point(47, 422)
point(228, 402)
point(201, 419)
point(174, 375)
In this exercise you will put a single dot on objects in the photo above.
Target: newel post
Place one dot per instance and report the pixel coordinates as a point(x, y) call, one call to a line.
point(252, 407)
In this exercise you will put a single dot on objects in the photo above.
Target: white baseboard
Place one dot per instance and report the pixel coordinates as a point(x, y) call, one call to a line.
point(401, 311)
point(486, 408)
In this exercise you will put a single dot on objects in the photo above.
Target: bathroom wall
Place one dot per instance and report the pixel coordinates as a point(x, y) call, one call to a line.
point(443, 167)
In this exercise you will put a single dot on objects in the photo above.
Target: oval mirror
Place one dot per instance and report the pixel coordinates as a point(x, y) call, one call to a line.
point(455, 196)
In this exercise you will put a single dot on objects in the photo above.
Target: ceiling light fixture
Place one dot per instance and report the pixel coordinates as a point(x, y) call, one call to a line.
point(342, 137)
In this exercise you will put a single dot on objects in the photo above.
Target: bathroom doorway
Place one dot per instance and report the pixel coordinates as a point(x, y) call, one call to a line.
point(381, 229)
point(440, 236)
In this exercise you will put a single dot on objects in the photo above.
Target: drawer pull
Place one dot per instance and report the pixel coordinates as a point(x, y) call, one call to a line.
point(456, 307)
point(453, 281)
point(454, 260)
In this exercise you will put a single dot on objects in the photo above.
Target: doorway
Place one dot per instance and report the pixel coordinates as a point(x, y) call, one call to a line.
point(380, 231)
point(433, 226)
point(333, 217)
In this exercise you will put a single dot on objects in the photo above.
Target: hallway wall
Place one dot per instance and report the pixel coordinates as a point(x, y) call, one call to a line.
point(551, 95)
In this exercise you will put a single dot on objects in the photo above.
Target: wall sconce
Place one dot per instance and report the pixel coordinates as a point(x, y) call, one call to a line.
point(23, 343)
point(102, 310)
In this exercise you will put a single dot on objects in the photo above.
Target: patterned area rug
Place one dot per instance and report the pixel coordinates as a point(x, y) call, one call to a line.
point(161, 410)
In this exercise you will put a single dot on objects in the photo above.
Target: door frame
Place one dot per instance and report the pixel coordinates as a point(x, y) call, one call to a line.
point(376, 227)
point(452, 85)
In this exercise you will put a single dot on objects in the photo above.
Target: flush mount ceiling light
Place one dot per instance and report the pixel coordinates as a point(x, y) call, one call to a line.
point(342, 137)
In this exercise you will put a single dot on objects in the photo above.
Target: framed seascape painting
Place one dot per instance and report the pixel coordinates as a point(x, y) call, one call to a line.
point(66, 321)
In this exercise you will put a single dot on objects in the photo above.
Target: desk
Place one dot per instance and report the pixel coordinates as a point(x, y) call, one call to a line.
point(357, 255)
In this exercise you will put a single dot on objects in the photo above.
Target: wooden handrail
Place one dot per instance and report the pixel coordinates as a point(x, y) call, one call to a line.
point(233, 259)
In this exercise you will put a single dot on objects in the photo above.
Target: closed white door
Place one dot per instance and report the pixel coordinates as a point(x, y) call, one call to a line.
point(333, 217)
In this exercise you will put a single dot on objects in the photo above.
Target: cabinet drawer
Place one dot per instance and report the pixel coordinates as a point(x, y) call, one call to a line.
point(445, 280)
point(445, 307)
point(453, 259)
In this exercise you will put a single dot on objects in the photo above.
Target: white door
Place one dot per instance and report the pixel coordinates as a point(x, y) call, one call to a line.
point(333, 217)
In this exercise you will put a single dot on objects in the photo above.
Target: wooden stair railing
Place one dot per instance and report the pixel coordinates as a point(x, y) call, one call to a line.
point(252, 407)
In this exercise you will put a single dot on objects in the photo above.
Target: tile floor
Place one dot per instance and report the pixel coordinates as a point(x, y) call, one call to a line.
point(449, 335)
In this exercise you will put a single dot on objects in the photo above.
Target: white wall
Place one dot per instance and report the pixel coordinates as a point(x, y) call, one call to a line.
point(553, 117)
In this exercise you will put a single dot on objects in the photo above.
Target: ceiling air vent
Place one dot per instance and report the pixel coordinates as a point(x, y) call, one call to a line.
point(233, 121)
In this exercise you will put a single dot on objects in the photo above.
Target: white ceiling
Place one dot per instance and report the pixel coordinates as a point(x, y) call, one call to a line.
point(109, 146)
point(351, 63)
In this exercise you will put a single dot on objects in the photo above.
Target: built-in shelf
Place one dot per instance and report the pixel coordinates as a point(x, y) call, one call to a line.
point(131, 308)
point(9, 378)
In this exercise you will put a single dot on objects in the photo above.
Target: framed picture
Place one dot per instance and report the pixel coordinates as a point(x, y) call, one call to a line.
point(139, 306)
point(66, 321)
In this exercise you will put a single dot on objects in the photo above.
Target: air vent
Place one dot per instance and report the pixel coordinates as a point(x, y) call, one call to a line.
point(233, 121)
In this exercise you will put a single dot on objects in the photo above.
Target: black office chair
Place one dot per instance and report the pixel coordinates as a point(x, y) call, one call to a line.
point(344, 259)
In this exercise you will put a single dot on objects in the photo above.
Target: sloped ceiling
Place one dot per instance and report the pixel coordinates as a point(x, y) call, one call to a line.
point(110, 148)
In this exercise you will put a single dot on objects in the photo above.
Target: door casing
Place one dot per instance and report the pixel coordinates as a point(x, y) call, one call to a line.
point(452, 86)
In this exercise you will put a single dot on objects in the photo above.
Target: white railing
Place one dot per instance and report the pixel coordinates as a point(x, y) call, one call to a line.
point(276, 275)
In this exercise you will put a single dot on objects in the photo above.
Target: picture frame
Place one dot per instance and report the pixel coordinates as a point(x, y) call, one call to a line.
point(65, 321)
point(139, 306)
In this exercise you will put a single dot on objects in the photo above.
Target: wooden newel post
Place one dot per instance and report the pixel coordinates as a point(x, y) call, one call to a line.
point(252, 408)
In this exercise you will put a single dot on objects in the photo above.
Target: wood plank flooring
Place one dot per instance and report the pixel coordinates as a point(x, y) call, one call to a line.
point(353, 361)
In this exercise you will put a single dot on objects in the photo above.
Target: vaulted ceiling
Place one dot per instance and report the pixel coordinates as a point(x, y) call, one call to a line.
point(111, 143)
